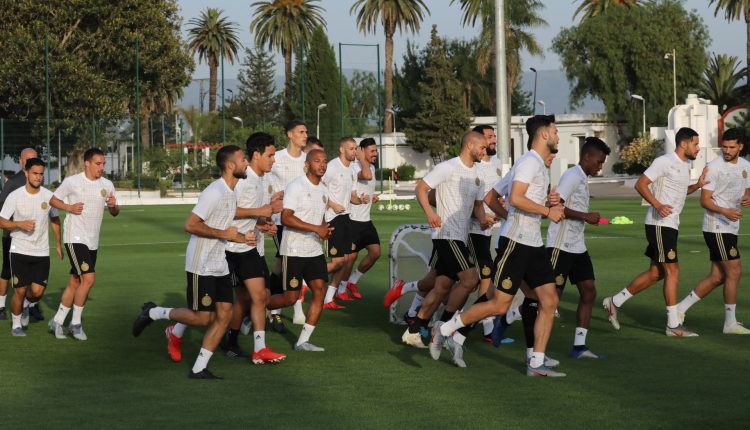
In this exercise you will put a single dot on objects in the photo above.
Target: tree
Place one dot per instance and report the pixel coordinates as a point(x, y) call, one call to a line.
point(521, 101)
point(441, 119)
point(363, 106)
point(593, 8)
point(720, 81)
point(209, 36)
point(621, 53)
point(256, 101)
point(392, 14)
point(286, 26)
point(734, 10)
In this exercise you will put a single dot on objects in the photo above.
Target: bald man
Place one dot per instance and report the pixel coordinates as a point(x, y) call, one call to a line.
point(15, 182)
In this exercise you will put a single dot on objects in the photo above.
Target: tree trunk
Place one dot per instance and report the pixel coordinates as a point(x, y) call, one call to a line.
point(212, 83)
point(145, 126)
point(388, 118)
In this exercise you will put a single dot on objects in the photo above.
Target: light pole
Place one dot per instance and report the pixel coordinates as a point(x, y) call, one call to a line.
point(643, 101)
point(673, 55)
point(317, 126)
point(544, 107)
point(533, 103)
point(393, 113)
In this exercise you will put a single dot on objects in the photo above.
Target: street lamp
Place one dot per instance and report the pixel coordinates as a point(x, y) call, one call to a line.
point(673, 55)
point(533, 103)
point(238, 119)
point(643, 101)
point(544, 106)
point(317, 126)
point(392, 112)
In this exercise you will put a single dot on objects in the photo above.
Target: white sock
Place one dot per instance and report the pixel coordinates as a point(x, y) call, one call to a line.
point(487, 325)
point(580, 339)
point(298, 308)
point(179, 330)
point(77, 313)
point(672, 320)
point(513, 315)
point(415, 303)
point(62, 313)
point(202, 361)
point(2, 301)
point(276, 312)
point(537, 359)
point(329, 294)
point(730, 318)
point(26, 302)
point(409, 287)
point(33, 304)
point(687, 302)
point(354, 277)
point(459, 338)
point(621, 297)
point(259, 339)
point(16, 320)
point(304, 335)
point(455, 323)
point(529, 351)
point(342, 287)
point(159, 313)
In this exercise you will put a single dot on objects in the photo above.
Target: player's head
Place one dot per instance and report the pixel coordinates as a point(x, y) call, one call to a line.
point(316, 163)
point(489, 133)
point(475, 145)
point(369, 148)
point(296, 131)
point(25, 155)
point(687, 141)
point(35, 171)
point(348, 148)
point(542, 129)
point(231, 159)
point(260, 151)
point(593, 154)
point(312, 143)
point(93, 163)
point(731, 144)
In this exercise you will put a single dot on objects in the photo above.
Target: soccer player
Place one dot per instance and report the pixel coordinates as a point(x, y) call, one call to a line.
point(84, 197)
point(664, 185)
point(363, 230)
point(13, 183)
point(312, 143)
point(209, 285)
point(727, 189)
point(30, 211)
point(305, 203)
point(521, 255)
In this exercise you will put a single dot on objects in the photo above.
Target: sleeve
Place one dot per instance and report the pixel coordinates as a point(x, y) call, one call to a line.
point(9, 207)
point(525, 171)
point(7, 189)
point(568, 184)
point(54, 213)
point(712, 176)
point(207, 203)
point(501, 186)
point(356, 168)
point(438, 175)
point(272, 178)
point(64, 189)
point(290, 196)
point(657, 168)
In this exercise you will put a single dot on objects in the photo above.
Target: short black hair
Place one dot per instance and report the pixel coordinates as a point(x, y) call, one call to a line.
point(592, 144)
point(258, 142)
point(89, 154)
point(367, 141)
point(345, 139)
point(291, 125)
point(536, 122)
point(31, 162)
point(313, 140)
point(482, 127)
point(685, 134)
point(224, 154)
point(734, 134)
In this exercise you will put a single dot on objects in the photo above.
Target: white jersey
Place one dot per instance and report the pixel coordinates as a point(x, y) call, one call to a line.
point(252, 192)
point(489, 173)
point(670, 178)
point(216, 206)
point(84, 228)
point(567, 235)
point(340, 181)
point(308, 202)
point(521, 226)
point(728, 181)
point(22, 206)
point(361, 212)
point(457, 187)
point(285, 169)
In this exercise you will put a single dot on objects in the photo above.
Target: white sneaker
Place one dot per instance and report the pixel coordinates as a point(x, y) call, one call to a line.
point(680, 331)
point(548, 361)
point(18, 332)
point(681, 317)
point(457, 351)
point(56, 329)
point(25, 317)
point(736, 328)
point(247, 325)
point(413, 339)
point(436, 344)
point(77, 332)
point(309, 347)
point(612, 310)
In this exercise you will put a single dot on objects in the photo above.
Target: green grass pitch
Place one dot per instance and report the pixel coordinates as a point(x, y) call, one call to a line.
point(367, 378)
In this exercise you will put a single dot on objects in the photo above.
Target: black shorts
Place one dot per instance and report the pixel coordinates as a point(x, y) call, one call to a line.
point(452, 257)
point(662, 243)
point(364, 234)
point(6, 258)
point(28, 269)
point(479, 247)
point(433, 257)
point(577, 267)
point(516, 262)
point(294, 270)
point(341, 241)
point(246, 265)
point(204, 291)
point(82, 259)
point(722, 246)
point(277, 239)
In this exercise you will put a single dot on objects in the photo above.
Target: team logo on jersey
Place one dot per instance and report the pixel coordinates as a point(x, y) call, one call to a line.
point(476, 181)
point(507, 283)
point(744, 174)
point(270, 189)
point(334, 251)
point(499, 172)
point(671, 254)
point(294, 283)
point(733, 252)
point(325, 200)
point(44, 205)
point(15, 280)
point(84, 266)
point(560, 280)
point(103, 192)
point(486, 271)
point(206, 300)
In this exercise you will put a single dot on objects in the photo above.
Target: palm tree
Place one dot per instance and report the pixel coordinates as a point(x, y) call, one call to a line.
point(592, 8)
point(392, 14)
point(285, 25)
point(208, 36)
point(720, 81)
point(734, 10)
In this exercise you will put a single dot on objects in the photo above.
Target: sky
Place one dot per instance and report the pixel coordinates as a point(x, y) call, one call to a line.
point(727, 38)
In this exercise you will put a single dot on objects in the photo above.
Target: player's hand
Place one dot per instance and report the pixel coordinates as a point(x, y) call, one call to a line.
point(277, 205)
point(266, 210)
point(487, 223)
point(250, 238)
point(745, 201)
point(111, 200)
point(664, 210)
point(76, 208)
point(592, 218)
point(503, 204)
point(337, 208)
point(556, 213)
point(231, 234)
point(27, 225)
point(375, 198)
point(732, 214)
point(434, 220)
point(324, 231)
point(58, 248)
point(272, 228)
point(364, 198)
point(553, 198)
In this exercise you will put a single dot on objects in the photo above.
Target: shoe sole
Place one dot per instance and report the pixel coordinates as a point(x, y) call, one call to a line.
point(273, 361)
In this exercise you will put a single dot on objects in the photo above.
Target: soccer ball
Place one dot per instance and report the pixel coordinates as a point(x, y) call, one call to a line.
point(400, 207)
point(407, 206)
point(381, 207)
point(389, 207)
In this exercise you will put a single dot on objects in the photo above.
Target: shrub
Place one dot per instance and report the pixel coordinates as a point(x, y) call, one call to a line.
point(405, 172)
point(384, 173)
point(639, 154)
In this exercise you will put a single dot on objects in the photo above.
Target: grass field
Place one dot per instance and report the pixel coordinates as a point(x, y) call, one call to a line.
point(367, 378)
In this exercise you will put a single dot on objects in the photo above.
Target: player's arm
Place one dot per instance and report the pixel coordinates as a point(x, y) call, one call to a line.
point(264, 211)
point(422, 190)
point(364, 174)
point(519, 201)
point(700, 183)
point(27, 225)
point(588, 217)
point(708, 203)
point(492, 200)
point(112, 206)
point(288, 219)
point(485, 221)
point(197, 226)
point(746, 198)
point(54, 222)
point(358, 199)
point(642, 186)
point(75, 208)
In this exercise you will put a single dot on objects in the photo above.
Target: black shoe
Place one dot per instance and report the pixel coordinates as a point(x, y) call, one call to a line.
point(143, 319)
point(36, 313)
point(203, 374)
point(234, 351)
point(408, 320)
point(277, 324)
point(3, 316)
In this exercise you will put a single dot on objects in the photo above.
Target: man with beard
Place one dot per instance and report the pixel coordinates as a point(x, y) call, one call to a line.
point(664, 185)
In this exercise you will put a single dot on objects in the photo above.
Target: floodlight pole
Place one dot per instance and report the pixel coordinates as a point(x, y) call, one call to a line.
point(501, 86)
point(138, 112)
point(643, 101)
point(2, 151)
point(46, 92)
point(223, 109)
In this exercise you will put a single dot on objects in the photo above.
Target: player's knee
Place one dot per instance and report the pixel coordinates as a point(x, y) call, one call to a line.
point(374, 254)
point(671, 270)
point(588, 294)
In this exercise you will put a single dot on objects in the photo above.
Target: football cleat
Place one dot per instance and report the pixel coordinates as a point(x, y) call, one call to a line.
point(25, 317)
point(234, 351)
point(18, 332)
point(277, 324)
point(333, 305)
point(409, 320)
point(246, 326)
point(394, 293)
point(3, 314)
point(344, 296)
point(543, 371)
point(307, 346)
point(498, 332)
point(681, 317)
point(353, 290)
point(203, 374)
point(174, 345)
point(436, 344)
point(585, 353)
point(412, 339)
point(457, 351)
point(612, 311)
point(265, 355)
point(550, 362)
point(680, 331)
point(144, 319)
point(36, 313)
point(303, 291)
point(56, 329)
point(736, 328)
point(77, 331)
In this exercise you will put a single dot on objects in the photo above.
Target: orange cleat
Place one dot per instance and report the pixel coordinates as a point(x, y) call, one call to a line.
point(393, 294)
point(265, 355)
point(174, 344)
point(344, 296)
point(353, 290)
point(333, 305)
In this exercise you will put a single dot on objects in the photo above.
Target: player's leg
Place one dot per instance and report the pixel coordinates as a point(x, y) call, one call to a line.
point(256, 287)
point(240, 308)
point(16, 309)
point(704, 287)
point(223, 297)
point(733, 273)
point(275, 282)
point(4, 277)
point(314, 272)
point(369, 260)
point(642, 281)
